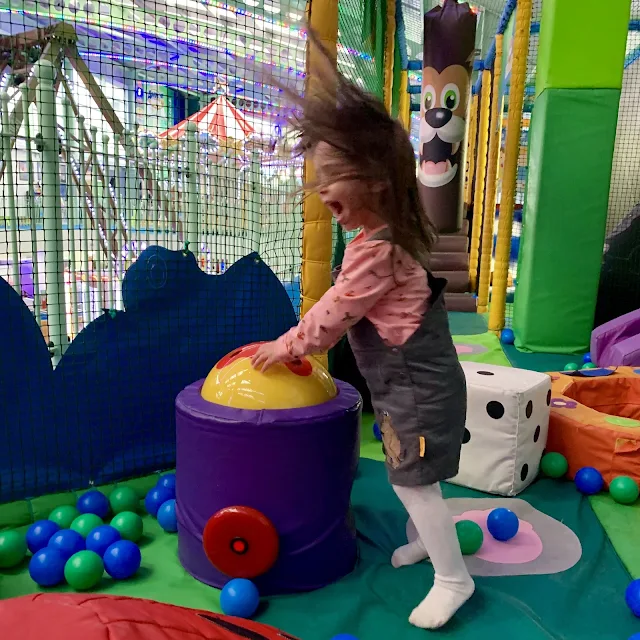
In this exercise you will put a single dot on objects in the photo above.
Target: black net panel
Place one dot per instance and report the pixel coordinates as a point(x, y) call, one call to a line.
point(146, 165)
point(619, 291)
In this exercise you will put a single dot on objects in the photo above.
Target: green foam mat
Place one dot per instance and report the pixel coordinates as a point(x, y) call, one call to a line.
point(570, 152)
point(467, 323)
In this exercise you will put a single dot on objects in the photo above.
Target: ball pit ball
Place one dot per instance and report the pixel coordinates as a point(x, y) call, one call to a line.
point(507, 336)
point(239, 598)
point(122, 559)
point(470, 536)
point(124, 499)
point(13, 548)
point(46, 567)
point(589, 481)
point(68, 542)
point(554, 465)
point(167, 516)
point(586, 358)
point(503, 524)
point(635, 636)
point(588, 365)
point(632, 597)
point(344, 636)
point(101, 538)
point(168, 481)
point(95, 502)
point(83, 570)
point(63, 516)
point(39, 534)
point(377, 434)
point(129, 525)
point(155, 498)
point(624, 490)
point(84, 524)
point(571, 366)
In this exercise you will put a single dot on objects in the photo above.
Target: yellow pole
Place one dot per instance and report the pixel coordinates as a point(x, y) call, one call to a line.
point(492, 182)
point(511, 153)
point(471, 149)
point(317, 231)
point(478, 199)
point(404, 108)
point(389, 52)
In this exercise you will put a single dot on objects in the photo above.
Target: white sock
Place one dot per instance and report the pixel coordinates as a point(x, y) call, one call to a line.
point(409, 554)
point(452, 585)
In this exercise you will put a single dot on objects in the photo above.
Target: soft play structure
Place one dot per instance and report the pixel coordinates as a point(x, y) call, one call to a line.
point(617, 342)
point(59, 616)
point(265, 466)
point(595, 421)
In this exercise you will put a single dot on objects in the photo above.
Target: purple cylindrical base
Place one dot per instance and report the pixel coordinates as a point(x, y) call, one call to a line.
point(296, 466)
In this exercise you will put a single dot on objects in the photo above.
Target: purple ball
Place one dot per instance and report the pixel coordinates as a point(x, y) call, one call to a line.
point(101, 538)
point(67, 542)
point(156, 498)
point(95, 502)
point(39, 534)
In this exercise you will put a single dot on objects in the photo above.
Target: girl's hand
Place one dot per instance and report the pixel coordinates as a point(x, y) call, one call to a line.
point(266, 356)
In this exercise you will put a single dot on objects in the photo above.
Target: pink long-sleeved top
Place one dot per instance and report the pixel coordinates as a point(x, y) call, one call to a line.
point(387, 287)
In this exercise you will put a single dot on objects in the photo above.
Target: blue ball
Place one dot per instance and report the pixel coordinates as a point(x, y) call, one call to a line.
point(156, 498)
point(46, 568)
point(239, 598)
point(589, 481)
point(507, 336)
point(95, 502)
point(344, 636)
point(632, 597)
point(39, 534)
point(67, 542)
point(503, 524)
point(122, 559)
point(168, 481)
point(101, 538)
point(167, 516)
point(635, 636)
point(376, 432)
point(586, 358)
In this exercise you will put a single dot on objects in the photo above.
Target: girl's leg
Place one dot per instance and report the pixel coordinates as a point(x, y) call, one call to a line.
point(452, 585)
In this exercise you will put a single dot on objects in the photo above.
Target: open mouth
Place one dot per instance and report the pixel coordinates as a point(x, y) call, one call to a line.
point(438, 164)
point(334, 207)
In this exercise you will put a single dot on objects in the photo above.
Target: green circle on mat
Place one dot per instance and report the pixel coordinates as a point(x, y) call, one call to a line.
point(624, 490)
point(554, 465)
point(470, 536)
point(86, 523)
point(83, 570)
point(13, 548)
point(622, 422)
point(124, 499)
point(63, 516)
point(129, 525)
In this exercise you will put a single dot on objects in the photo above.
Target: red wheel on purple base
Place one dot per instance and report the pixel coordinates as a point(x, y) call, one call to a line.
point(241, 542)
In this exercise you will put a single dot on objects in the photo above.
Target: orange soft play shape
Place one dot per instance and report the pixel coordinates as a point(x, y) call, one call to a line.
point(595, 422)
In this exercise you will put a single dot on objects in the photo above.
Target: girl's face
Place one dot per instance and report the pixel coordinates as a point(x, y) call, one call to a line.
point(347, 197)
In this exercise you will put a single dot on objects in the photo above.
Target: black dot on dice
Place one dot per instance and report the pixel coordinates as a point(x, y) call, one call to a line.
point(524, 472)
point(536, 435)
point(486, 373)
point(548, 397)
point(495, 409)
point(466, 436)
point(529, 409)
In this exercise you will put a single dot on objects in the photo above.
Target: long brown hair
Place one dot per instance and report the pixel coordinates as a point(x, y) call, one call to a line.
point(374, 146)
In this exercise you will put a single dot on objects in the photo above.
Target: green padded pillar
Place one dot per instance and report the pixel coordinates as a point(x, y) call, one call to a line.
point(582, 44)
point(570, 154)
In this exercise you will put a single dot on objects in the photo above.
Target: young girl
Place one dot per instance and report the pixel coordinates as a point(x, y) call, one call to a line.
point(392, 309)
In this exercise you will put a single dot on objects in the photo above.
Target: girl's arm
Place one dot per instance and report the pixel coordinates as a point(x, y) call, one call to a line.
point(366, 276)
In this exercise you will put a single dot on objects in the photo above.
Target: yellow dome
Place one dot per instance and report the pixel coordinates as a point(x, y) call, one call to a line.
point(233, 382)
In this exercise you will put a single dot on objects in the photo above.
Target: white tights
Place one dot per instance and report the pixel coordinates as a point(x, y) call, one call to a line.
point(437, 540)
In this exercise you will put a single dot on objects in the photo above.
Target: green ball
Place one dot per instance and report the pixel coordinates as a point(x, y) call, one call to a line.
point(470, 536)
point(124, 499)
point(83, 570)
point(64, 516)
point(554, 465)
point(129, 525)
point(13, 548)
point(86, 523)
point(588, 365)
point(624, 490)
point(571, 366)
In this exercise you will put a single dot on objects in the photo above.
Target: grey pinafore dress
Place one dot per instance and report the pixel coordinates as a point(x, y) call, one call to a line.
point(418, 393)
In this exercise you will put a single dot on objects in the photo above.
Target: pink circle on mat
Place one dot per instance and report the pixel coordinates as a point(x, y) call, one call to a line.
point(464, 348)
point(524, 547)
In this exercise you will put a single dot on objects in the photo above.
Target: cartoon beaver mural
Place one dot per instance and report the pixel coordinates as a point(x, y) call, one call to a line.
point(449, 46)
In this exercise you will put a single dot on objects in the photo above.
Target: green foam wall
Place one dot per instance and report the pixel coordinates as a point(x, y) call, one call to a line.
point(582, 44)
point(570, 154)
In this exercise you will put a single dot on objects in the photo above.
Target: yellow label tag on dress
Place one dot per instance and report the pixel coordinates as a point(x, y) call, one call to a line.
point(423, 446)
